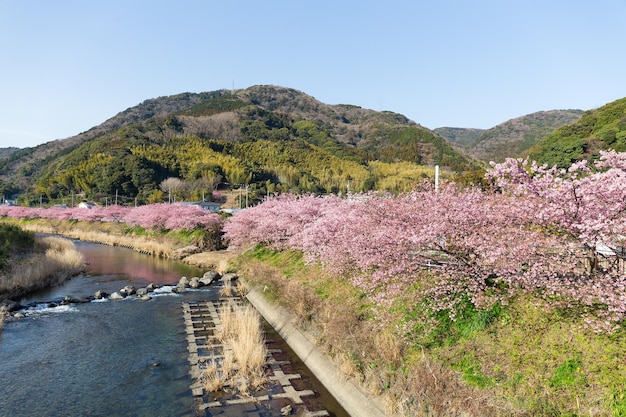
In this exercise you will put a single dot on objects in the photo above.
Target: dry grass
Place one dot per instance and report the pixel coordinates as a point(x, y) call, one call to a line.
point(213, 378)
point(243, 288)
point(105, 233)
point(428, 389)
point(54, 260)
point(242, 333)
point(53, 243)
point(245, 355)
point(141, 243)
point(227, 290)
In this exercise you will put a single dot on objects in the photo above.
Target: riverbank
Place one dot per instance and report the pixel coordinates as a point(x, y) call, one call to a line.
point(522, 359)
point(167, 244)
point(36, 262)
point(348, 394)
point(33, 263)
point(192, 248)
point(52, 261)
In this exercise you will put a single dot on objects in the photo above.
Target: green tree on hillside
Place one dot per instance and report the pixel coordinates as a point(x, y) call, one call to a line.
point(600, 129)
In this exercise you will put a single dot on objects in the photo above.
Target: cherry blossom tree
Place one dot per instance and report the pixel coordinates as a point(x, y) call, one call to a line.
point(152, 216)
point(588, 204)
point(539, 234)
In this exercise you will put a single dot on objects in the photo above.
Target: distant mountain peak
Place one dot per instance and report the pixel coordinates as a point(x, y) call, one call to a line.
point(512, 138)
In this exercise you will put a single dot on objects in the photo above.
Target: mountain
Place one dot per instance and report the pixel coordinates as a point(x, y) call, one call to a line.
point(8, 152)
point(460, 136)
point(512, 138)
point(599, 129)
point(266, 137)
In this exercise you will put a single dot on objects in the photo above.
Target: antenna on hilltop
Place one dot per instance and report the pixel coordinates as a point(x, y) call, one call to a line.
point(233, 89)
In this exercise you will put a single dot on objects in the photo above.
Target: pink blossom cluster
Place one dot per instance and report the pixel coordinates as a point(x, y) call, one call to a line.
point(112, 213)
point(157, 216)
point(588, 203)
point(538, 235)
point(172, 217)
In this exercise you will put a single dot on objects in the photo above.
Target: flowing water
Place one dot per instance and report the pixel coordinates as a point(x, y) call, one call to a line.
point(107, 358)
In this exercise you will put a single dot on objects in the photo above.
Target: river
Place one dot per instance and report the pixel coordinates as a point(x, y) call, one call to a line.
point(109, 358)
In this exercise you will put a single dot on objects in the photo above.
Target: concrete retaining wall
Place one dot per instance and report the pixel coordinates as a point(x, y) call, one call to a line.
point(351, 398)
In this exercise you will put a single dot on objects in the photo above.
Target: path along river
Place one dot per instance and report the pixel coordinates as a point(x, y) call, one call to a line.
point(109, 358)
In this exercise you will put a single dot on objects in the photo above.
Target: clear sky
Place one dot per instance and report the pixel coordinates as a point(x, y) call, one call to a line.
point(69, 65)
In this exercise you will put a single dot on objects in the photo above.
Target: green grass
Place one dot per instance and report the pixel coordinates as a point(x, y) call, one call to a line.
point(449, 331)
point(538, 359)
point(472, 372)
point(569, 373)
point(288, 262)
point(616, 401)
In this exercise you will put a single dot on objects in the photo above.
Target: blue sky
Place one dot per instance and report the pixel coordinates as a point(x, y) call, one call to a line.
point(67, 66)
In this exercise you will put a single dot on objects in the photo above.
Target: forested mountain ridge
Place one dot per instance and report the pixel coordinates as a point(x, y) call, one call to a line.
point(598, 129)
point(20, 164)
point(265, 137)
point(512, 138)
point(459, 136)
point(8, 152)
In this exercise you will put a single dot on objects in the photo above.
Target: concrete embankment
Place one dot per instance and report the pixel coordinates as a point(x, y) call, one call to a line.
point(351, 398)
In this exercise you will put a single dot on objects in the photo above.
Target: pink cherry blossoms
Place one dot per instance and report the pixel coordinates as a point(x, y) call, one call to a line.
point(152, 216)
point(587, 203)
point(172, 217)
point(539, 234)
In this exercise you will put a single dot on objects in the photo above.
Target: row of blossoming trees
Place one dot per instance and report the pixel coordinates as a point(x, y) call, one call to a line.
point(537, 231)
point(152, 216)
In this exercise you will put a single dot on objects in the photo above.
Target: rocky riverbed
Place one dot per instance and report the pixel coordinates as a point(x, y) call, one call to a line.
point(12, 308)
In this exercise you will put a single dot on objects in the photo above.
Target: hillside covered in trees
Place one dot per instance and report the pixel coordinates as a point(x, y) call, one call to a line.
point(266, 138)
point(599, 129)
point(510, 139)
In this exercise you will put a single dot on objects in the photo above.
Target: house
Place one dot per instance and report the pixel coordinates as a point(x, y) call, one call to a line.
point(207, 205)
point(86, 205)
point(231, 210)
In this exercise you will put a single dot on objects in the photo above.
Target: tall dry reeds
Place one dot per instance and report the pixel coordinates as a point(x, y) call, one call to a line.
point(240, 288)
point(53, 261)
point(141, 243)
point(245, 354)
point(227, 290)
